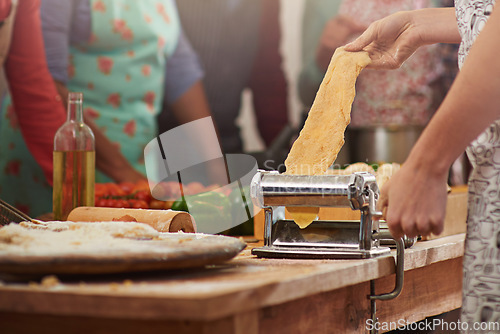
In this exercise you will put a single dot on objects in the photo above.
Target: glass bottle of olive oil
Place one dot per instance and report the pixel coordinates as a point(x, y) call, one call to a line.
point(74, 162)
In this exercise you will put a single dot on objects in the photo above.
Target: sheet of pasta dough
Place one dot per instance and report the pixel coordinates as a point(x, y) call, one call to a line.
point(322, 136)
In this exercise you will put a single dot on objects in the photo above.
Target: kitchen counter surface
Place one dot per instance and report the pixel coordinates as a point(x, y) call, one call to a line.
point(245, 295)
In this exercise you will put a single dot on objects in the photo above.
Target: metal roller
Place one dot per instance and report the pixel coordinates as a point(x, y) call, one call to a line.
point(270, 189)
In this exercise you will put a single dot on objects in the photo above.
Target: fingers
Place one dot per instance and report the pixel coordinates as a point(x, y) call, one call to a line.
point(400, 227)
point(383, 205)
point(395, 229)
point(422, 225)
point(381, 59)
point(409, 228)
point(410, 218)
point(437, 227)
point(428, 224)
point(383, 200)
point(361, 42)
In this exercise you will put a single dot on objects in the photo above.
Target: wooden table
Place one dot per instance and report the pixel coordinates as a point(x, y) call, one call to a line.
point(246, 295)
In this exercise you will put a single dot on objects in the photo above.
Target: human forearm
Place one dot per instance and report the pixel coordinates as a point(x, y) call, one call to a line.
point(393, 39)
point(436, 25)
point(471, 105)
point(63, 92)
point(192, 105)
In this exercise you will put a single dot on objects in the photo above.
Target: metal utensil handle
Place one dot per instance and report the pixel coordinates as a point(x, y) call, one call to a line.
point(400, 264)
point(13, 214)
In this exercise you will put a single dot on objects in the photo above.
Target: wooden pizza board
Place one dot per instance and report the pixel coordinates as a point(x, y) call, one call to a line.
point(169, 251)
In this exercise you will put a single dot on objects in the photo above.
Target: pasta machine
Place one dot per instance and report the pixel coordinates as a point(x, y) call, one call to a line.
point(324, 239)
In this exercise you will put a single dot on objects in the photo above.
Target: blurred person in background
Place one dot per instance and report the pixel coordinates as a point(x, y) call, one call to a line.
point(388, 104)
point(238, 45)
point(38, 109)
point(117, 53)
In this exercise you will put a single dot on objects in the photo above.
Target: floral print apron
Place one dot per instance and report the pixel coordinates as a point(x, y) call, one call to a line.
point(481, 280)
point(120, 71)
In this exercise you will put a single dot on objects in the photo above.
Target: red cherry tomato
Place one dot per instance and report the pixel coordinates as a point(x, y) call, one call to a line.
point(107, 203)
point(138, 204)
point(141, 185)
point(122, 203)
point(115, 190)
point(115, 203)
point(127, 187)
point(142, 204)
point(144, 195)
point(101, 202)
point(100, 190)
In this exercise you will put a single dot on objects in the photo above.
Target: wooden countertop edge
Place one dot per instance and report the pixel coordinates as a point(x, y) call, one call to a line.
point(425, 253)
point(78, 301)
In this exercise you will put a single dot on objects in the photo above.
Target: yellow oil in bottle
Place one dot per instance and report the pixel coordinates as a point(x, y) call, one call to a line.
point(74, 178)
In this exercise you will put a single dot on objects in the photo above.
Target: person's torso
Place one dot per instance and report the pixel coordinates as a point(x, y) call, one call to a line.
point(225, 34)
point(124, 58)
point(121, 68)
point(471, 16)
point(483, 236)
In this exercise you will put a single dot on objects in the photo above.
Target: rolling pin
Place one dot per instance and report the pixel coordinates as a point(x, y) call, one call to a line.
point(161, 220)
